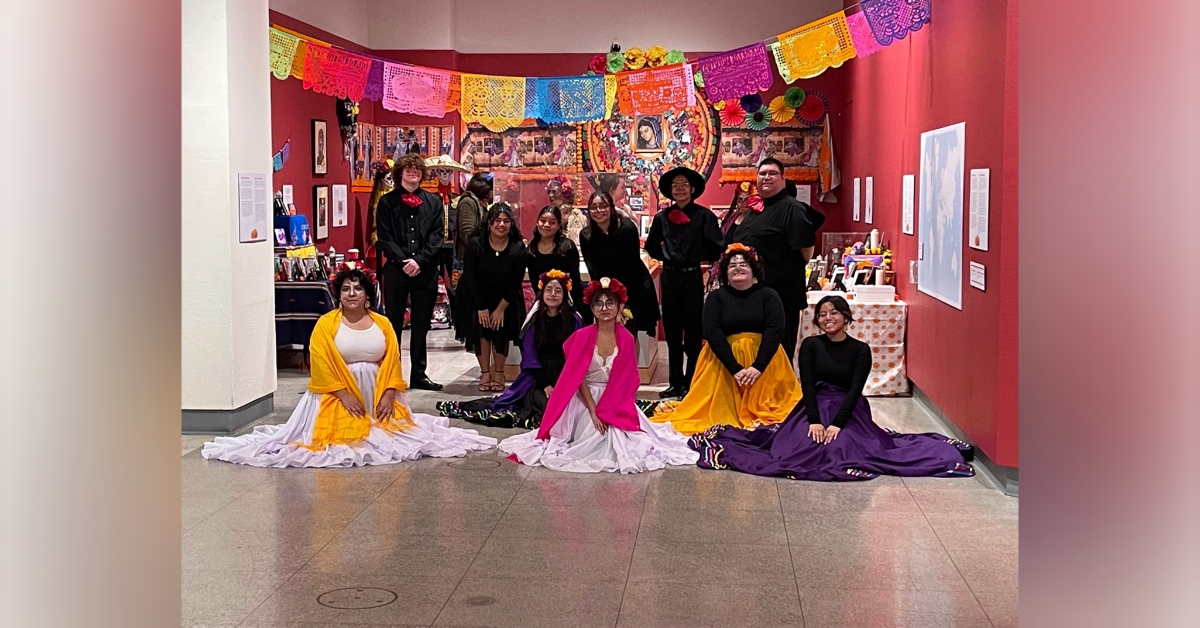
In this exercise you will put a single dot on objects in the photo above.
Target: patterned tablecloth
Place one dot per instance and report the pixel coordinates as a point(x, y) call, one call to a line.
point(880, 325)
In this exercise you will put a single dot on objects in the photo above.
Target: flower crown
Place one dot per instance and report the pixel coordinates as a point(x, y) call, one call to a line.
point(554, 274)
point(604, 283)
point(738, 247)
point(564, 186)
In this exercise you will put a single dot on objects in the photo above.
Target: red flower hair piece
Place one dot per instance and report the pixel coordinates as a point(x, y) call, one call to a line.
point(604, 283)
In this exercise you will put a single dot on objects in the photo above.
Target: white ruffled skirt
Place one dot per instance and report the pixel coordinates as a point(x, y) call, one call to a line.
point(577, 447)
point(272, 445)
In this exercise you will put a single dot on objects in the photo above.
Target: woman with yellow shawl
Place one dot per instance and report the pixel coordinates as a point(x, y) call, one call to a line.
point(743, 377)
point(354, 412)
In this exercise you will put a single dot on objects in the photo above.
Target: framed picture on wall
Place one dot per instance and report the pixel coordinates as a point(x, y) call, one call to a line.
point(320, 144)
point(321, 210)
point(339, 206)
point(648, 134)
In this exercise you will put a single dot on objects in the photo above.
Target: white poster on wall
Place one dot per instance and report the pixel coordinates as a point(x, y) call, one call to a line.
point(941, 212)
point(870, 200)
point(906, 202)
point(288, 195)
point(804, 194)
point(977, 233)
point(856, 204)
point(339, 206)
point(252, 207)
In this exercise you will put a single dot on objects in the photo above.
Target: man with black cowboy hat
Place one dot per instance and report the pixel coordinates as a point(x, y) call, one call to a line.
point(681, 238)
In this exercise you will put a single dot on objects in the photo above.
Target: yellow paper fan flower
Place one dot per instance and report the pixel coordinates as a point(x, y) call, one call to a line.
point(656, 56)
point(635, 59)
point(780, 112)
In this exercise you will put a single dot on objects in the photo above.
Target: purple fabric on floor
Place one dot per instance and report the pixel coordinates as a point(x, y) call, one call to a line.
point(862, 450)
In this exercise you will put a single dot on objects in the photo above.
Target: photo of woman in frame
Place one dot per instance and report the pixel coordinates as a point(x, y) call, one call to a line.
point(647, 135)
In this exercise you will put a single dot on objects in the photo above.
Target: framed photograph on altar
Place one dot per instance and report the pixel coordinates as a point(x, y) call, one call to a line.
point(647, 134)
point(321, 210)
point(320, 144)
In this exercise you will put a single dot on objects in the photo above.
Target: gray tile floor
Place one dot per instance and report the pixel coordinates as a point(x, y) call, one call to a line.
point(483, 542)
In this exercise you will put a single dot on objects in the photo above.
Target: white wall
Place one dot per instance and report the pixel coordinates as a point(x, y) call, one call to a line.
point(228, 331)
point(549, 26)
point(348, 19)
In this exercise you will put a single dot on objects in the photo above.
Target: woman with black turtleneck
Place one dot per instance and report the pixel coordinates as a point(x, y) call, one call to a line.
point(743, 377)
point(830, 435)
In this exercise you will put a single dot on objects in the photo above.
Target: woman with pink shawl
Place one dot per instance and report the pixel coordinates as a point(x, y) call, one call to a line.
point(591, 423)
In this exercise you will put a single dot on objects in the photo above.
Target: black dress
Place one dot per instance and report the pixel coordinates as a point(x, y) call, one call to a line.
point(617, 255)
point(568, 263)
point(490, 276)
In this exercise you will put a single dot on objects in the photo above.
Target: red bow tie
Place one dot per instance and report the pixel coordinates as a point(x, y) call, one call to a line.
point(755, 204)
point(412, 200)
point(677, 217)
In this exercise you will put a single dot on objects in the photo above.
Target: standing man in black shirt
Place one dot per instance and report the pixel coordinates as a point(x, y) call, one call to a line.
point(411, 224)
point(681, 238)
point(784, 237)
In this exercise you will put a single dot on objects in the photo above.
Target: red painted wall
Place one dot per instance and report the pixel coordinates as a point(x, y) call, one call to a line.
point(960, 67)
point(293, 109)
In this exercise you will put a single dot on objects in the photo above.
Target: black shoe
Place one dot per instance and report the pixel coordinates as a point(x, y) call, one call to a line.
point(684, 392)
point(671, 391)
point(424, 383)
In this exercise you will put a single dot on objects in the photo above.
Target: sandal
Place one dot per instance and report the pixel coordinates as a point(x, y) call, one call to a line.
point(498, 385)
point(484, 384)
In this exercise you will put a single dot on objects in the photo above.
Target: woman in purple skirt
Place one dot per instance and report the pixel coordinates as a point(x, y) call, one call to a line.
point(829, 436)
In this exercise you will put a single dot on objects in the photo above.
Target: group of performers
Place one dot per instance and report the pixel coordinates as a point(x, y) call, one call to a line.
point(742, 406)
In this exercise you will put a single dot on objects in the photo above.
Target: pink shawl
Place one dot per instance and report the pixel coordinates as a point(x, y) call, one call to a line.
point(616, 405)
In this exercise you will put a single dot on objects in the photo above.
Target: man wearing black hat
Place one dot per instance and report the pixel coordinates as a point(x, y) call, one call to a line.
point(783, 234)
point(681, 238)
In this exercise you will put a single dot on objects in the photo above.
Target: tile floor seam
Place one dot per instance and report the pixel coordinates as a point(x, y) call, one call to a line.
point(942, 543)
point(791, 559)
point(480, 550)
point(629, 569)
point(321, 549)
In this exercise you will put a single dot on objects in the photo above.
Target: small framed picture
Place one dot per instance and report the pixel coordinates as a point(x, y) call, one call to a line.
point(646, 220)
point(648, 134)
point(321, 211)
point(320, 144)
point(281, 237)
point(863, 277)
point(836, 280)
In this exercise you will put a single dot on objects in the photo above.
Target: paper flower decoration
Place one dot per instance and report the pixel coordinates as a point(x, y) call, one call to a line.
point(759, 119)
point(780, 112)
point(599, 64)
point(616, 62)
point(656, 56)
point(813, 109)
point(719, 105)
point(635, 59)
point(699, 79)
point(793, 97)
point(751, 102)
point(732, 114)
point(675, 56)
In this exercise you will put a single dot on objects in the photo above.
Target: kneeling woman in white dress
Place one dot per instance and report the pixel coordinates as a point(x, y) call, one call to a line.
point(355, 358)
point(591, 423)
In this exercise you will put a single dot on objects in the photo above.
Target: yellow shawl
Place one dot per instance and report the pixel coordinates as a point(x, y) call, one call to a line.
point(335, 425)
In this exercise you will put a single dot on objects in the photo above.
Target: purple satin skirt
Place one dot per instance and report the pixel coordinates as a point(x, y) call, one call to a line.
point(862, 450)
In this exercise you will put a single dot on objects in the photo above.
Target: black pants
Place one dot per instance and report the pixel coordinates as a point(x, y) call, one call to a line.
point(398, 289)
point(791, 328)
point(682, 318)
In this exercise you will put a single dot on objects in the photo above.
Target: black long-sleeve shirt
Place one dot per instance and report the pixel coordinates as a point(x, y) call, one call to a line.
point(617, 254)
point(845, 364)
point(536, 263)
point(779, 233)
point(411, 233)
point(681, 246)
point(729, 311)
